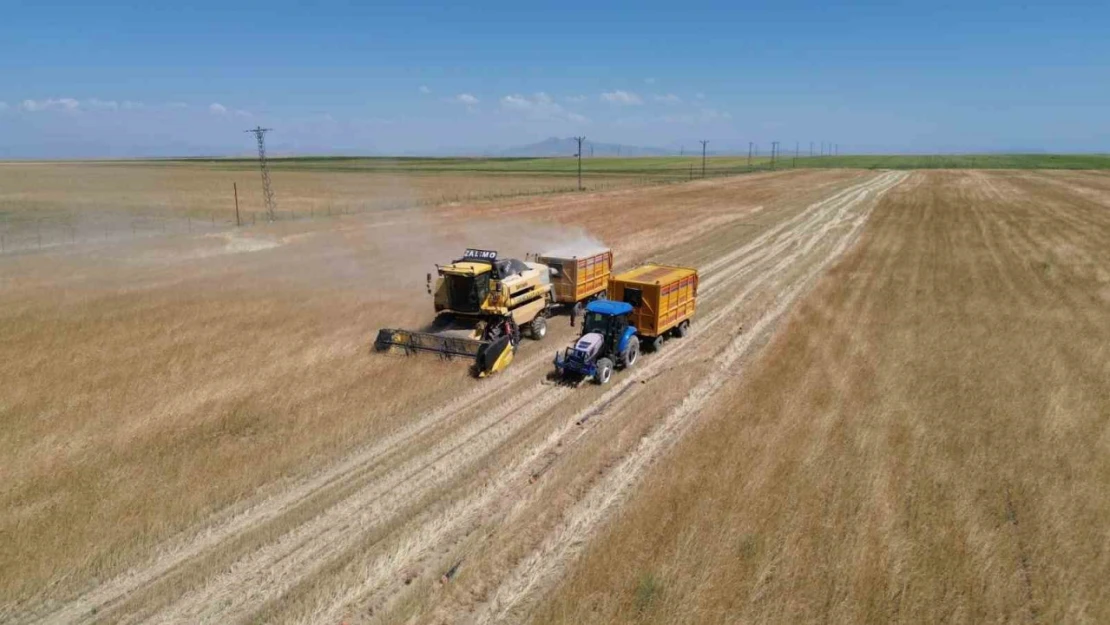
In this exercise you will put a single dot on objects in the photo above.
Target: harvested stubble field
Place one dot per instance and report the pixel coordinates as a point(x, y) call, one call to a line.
point(195, 430)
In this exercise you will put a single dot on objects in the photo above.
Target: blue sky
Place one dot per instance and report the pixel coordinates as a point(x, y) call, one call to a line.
point(154, 78)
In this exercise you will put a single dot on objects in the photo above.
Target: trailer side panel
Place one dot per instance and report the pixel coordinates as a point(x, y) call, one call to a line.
point(661, 296)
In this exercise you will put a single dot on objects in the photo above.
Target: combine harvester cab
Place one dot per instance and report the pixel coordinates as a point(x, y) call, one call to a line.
point(482, 303)
point(645, 305)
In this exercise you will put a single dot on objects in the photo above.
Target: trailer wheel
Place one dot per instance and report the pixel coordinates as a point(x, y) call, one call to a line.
point(538, 328)
point(656, 343)
point(631, 353)
point(683, 329)
point(604, 371)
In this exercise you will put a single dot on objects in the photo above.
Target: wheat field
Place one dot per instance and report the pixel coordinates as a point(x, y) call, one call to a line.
point(925, 441)
point(157, 385)
point(891, 407)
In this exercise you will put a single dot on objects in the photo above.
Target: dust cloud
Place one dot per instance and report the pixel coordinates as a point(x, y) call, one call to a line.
point(411, 241)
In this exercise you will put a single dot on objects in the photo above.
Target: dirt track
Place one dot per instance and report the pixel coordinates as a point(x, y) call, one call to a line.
point(503, 481)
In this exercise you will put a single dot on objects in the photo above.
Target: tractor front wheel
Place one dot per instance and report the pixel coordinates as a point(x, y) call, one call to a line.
point(631, 353)
point(604, 371)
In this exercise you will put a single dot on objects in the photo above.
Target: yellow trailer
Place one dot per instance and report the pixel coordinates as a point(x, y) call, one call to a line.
point(577, 276)
point(663, 299)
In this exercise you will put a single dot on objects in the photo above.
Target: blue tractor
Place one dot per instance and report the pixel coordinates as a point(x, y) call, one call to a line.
point(608, 341)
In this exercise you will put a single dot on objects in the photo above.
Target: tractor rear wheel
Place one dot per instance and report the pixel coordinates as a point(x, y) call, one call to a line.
point(538, 328)
point(604, 371)
point(631, 353)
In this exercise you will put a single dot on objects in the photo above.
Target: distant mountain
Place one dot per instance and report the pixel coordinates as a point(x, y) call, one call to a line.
point(569, 147)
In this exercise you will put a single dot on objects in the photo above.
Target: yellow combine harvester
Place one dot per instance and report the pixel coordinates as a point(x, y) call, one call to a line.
point(482, 305)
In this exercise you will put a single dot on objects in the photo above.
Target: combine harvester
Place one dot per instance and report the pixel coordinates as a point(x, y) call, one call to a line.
point(645, 305)
point(483, 303)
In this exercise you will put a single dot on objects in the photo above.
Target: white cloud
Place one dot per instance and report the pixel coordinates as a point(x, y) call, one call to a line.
point(701, 116)
point(3, 106)
point(107, 105)
point(699, 95)
point(91, 104)
point(425, 90)
point(650, 81)
point(466, 98)
point(670, 98)
point(242, 113)
point(539, 107)
point(575, 98)
point(515, 102)
point(50, 104)
point(217, 108)
point(178, 105)
point(622, 98)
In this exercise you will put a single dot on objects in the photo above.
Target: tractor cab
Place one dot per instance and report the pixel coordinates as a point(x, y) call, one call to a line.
point(607, 341)
point(606, 318)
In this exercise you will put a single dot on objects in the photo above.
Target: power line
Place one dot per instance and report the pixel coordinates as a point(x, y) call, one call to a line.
point(703, 144)
point(267, 191)
point(579, 155)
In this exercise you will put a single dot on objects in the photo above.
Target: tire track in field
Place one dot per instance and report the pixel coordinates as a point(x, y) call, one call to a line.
point(239, 521)
point(336, 477)
point(306, 557)
point(378, 572)
point(539, 569)
point(271, 571)
point(345, 476)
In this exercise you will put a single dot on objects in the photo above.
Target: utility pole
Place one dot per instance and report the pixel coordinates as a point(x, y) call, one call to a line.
point(579, 155)
point(774, 152)
point(267, 191)
point(795, 163)
point(749, 155)
point(703, 144)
